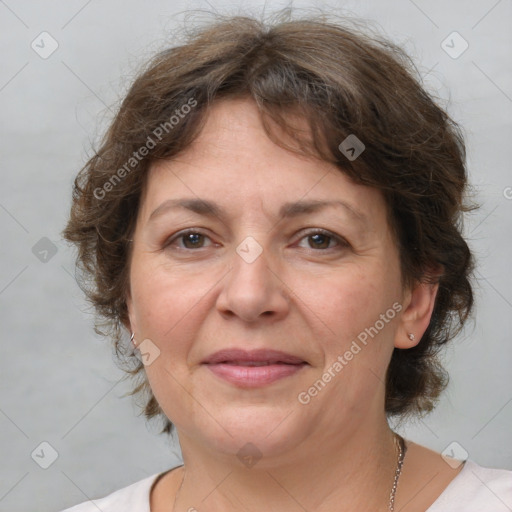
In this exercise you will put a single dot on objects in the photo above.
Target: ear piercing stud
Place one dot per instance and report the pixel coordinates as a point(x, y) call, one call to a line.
point(132, 338)
point(411, 336)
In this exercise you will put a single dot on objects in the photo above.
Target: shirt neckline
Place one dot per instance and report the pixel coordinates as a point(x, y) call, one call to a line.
point(153, 481)
point(453, 485)
point(447, 491)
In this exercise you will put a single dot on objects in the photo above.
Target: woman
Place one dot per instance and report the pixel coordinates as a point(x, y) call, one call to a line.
point(274, 217)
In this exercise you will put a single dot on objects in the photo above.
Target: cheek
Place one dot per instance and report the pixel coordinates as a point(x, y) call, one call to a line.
point(350, 308)
point(165, 306)
point(347, 302)
point(164, 299)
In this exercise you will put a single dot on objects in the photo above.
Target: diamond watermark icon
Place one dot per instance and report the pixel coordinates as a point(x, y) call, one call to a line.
point(44, 45)
point(249, 250)
point(147, 352)
point(352, 147)
point(44, 250)
point(44, 455)
point(249, 455)
point(454, 45)
point(454, 454)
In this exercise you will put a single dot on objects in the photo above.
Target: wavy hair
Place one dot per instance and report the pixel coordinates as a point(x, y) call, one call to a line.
point(342, 81)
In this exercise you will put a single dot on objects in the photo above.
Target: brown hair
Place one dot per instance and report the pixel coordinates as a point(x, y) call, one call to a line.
point(343, 81)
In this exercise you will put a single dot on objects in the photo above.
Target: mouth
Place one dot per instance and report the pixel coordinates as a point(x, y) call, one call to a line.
point(250, 369)
point(254, 363)
point(260, 357)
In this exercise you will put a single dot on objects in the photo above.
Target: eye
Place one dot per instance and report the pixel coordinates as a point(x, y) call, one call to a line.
point(318, 239)
point(321, 239)
point(192, 239)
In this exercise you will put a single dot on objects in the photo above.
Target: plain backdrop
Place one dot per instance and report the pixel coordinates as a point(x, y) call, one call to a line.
point(59, 383)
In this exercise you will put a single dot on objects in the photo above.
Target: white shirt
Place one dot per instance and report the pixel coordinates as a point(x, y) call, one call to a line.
point(474, 489)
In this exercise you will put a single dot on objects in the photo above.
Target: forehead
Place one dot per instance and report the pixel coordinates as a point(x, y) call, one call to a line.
point(234, 162)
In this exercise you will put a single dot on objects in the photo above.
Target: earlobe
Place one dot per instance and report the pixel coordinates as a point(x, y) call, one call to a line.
point(416, 315)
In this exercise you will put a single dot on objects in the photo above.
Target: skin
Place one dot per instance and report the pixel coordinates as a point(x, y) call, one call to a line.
point(304, 294)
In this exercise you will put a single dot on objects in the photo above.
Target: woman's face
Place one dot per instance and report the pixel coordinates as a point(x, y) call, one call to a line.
point(321, 283)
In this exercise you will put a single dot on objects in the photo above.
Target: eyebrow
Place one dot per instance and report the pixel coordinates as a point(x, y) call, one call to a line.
point(287, 210)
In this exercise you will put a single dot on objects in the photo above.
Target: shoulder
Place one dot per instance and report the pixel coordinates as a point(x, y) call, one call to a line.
point(477, 489)
point(134, 497)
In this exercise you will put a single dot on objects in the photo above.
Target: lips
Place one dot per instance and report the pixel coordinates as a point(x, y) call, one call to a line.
point(253, 368)
point(260, 357)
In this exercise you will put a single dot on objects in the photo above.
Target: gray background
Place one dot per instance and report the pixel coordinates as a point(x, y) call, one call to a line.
point(58, 380)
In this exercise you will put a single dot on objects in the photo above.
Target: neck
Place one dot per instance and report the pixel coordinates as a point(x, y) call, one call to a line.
point(354, 471)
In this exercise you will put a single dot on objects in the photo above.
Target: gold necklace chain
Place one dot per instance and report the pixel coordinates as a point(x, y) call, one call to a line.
point(401, 448)
point(400, 443)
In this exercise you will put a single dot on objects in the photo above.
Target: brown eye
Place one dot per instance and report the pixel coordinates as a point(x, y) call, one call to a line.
point(321, 240)
point(189, 240)
point(193, 240)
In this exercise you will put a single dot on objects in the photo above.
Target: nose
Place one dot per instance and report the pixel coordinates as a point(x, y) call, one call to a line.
point(253, 290)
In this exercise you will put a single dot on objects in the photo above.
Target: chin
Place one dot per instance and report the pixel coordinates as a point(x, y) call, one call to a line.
point(257, 431)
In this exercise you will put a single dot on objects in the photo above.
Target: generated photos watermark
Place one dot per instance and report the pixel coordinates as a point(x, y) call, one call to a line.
point(343, 360)
point(151, 142)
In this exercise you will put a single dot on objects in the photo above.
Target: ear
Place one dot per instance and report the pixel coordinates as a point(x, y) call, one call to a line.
point(130, 322)
point(418, 305)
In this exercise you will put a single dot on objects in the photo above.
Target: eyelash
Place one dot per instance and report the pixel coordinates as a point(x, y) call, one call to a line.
point(342, 243)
